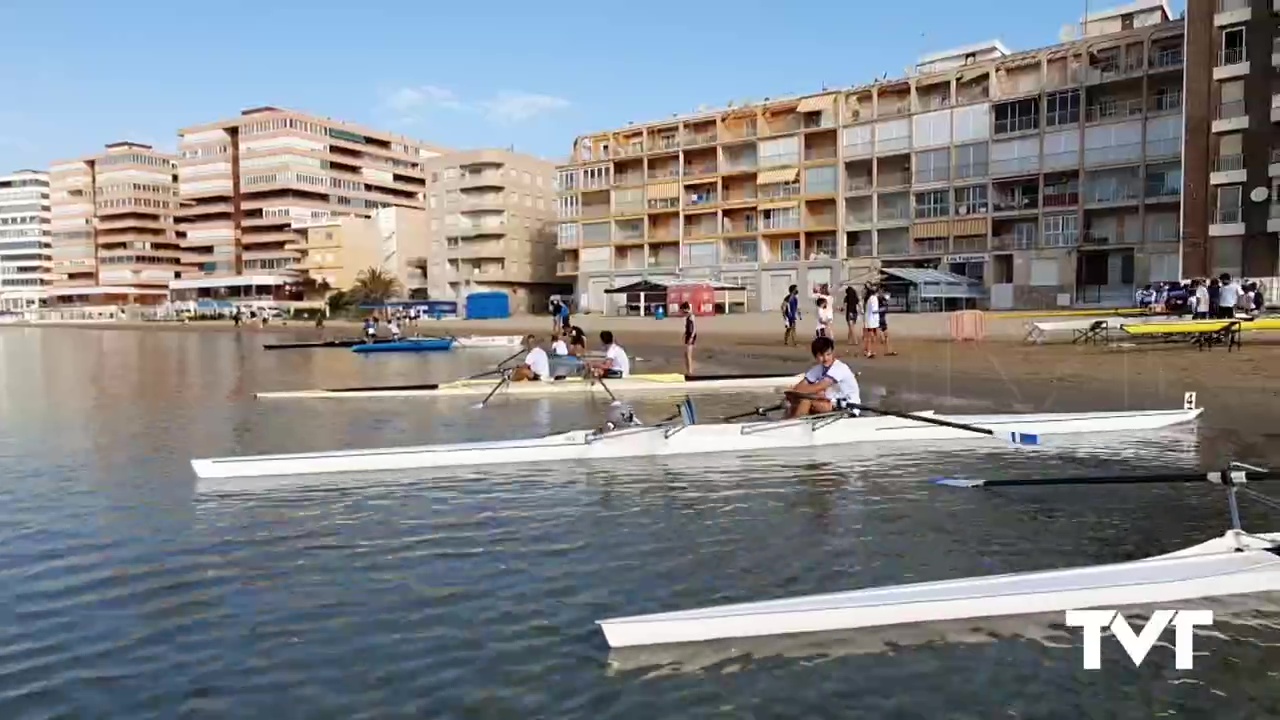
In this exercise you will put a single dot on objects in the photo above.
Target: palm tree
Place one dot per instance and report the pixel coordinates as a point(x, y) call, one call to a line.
point(375, 286)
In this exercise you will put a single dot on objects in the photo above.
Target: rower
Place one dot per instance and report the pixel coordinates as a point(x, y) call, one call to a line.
point(536, 366)
point(615, 364)
point(827, 387)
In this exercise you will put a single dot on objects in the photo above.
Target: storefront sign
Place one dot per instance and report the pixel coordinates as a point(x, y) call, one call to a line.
point(971, 258)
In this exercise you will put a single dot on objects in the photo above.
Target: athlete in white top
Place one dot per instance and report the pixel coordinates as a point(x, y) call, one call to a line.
point(828, 386)
point(536, 365)
point(1228, 296)
point(616, 364)
point(559, 347)
point(825, 318)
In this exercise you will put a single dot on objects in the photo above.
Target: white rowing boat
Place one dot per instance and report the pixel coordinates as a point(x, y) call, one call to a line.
point(489, 341)
point(1237, 563)
point(685, 439)
point(658, 382)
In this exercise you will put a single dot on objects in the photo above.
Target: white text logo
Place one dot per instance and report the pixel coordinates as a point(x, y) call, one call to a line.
point(1139, 644)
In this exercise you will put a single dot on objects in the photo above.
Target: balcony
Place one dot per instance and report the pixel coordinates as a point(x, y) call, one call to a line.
point(1273, 169)
point(566, 243)
point(858, 250)
point(778, 192)
point(1230, 116)
point(1228, 169)
point(694, 170)
point(888, 180)
point(769, 224)
point(858, 220)
point(481, 180)
point(1232, 63)
point(1061, 199)
point(891, 214)
point(818, 154)
point(700, 230)
point(669, 173)
point(1113, 110)
point(702, 138)
point(1027, 202)
point(1167, 58)
point(1109, 193)
point(1275, 107)
point(1167, 103)
point(624, 179)
point(1010, 126)
point(629, 149)
point(936, 246)
point(1273, 216)
point(1231, 12)
point(1226, 221)
point(702, 199)
point(1066, 239)
point(743, 226)
point(821, 220)
point(857, 150)
point(482, 204)
point(1164, 189)
point(856, 184)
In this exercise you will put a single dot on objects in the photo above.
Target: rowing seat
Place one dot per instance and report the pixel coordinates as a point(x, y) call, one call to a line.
point(1202, 333)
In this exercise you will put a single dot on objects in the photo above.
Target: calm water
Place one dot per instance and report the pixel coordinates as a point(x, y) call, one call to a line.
point(474, 595)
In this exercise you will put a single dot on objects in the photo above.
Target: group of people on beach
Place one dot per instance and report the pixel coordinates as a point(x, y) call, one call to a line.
point(1204, 298)
point(873, 306)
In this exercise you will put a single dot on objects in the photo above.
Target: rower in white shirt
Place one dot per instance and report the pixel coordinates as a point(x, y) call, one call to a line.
point(615, 364)
point(828, 386)
point(559, 346)
point(1228, 296)
point(536, 366)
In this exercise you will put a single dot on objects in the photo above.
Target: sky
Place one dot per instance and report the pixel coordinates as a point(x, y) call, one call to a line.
point(496, 73)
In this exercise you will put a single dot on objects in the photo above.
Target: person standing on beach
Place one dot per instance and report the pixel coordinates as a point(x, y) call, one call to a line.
point(790, 315)
point(870, 322)
point(851, 313)
point(883, 295)
point(555, 315)
point(690, 337)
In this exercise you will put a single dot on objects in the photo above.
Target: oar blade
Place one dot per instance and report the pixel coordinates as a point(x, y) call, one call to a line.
point(1018, 438)
point(959, 482)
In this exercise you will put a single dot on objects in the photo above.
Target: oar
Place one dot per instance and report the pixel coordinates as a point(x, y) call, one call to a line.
point(1223, 477)
point(1014, 437)
point(616, 402)
point(758, 412)
point(505, 379)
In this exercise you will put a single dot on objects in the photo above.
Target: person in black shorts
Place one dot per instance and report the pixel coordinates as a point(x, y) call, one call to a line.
point(884, 320)
point(851, 313)
point(690, 337)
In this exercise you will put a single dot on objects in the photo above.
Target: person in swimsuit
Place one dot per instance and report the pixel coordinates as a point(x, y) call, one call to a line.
point(690, 337)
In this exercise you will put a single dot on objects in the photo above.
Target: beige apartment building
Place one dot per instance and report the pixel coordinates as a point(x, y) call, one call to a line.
point(492, 216)
point(251, 184)
point(1039, 179)
point(336, 251)
point(113, 234)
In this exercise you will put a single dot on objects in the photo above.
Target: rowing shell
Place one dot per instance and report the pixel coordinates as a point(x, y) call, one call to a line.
point(665, 382)
point(1236, 563)
point(659, 441)
point(489, 341)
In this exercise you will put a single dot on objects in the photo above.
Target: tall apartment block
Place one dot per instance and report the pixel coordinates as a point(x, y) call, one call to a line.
point(25, 260)
point(1232, 209)
point(114, 239)
point(492, 217)
point(1046, 178)
point(251, 184)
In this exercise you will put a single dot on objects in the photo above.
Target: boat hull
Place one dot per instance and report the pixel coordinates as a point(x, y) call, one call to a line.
point(664, 382)
point(585, 445)
point(489, 341)
point(410, 345)
point(1210, 569)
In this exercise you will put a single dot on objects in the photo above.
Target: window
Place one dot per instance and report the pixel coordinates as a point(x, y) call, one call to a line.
point(451, 173)
point(780, 151)
point(1227, 204)
point(893, 136)
point(567, 180)
point(931, 167)
point(857, 140)
point(1044, 273)
point(932, 128)
point(972, 122)
point(1114, 142)
point(933, 204)
point(780, 218)
point(594, 178)
point(971, 200)
point(1061, 230)
point(820, 180)
point(1231, 100)
point(568, 207)
point(1062, 108)
point(1061, 150)
point(971, 161)
point(1017, 116)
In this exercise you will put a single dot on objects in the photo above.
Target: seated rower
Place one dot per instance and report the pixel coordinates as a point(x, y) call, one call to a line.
point(615, 363)
point(536, 365)
point(827, 387)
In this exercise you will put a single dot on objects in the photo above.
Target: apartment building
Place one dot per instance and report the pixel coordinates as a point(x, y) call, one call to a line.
point(25, 262)
point(113, 234)
point(1047, 178)
point(492, 217)
point(249, 184)
point(336, 251)
point(1232, 211)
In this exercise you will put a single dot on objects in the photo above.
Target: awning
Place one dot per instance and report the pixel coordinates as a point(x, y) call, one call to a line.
point(936, 229)
point(779, 205)
point(936, 283)
point(643, 286)
point(777, 175)
point(971, 226)
point(818, 103)
point(662, 191)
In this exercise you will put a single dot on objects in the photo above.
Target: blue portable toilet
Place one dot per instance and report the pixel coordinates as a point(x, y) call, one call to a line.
point(488, 306)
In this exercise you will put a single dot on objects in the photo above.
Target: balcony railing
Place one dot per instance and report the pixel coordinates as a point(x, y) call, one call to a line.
point(1231, 109)
point(704, 138)
point(1163, 148)
point(740, 194)
point(567, 243)
point(1231, 56)
point(821, 220)
point(1228, 163)
point(819, 153)
point(1016, 203)
point(893, 179)
point(782, 125)
point(857, 184)
point(629, 179)
point(1060, 240)
point(1113, 109)
point(700, 230)
point(1112, 193)
point(628, 207)
point(1012, 242)
point(858, 219)
point(891, 145)
point(1162, 189)
point(700, 169)
point(743, 165)
point(729, 226)
point(664, 204)
point(789, 254)
point(931, 175)
point(699, 199)
point(929, 247)
point(566, 267)
point(861, 149)
point(858, 250)
point(893, 213)
point(1227, 215)
point(774, 192)
point(664, 174)
point(780, 223)
point(1171, 57)
point(1229, 5)
point(664, 143)
point(970, 170)
point(1169, 102)
point(1061, 199)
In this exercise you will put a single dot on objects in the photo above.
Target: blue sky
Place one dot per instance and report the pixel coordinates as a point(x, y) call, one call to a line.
point(78, 75)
